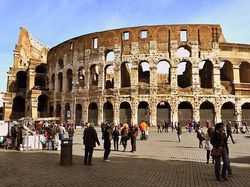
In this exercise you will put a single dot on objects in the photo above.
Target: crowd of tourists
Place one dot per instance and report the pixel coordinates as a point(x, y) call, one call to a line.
point(119, 134)
point(31, 135)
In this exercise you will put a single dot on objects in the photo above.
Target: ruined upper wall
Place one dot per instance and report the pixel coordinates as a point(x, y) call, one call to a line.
point(163, 35)
point(27, 49)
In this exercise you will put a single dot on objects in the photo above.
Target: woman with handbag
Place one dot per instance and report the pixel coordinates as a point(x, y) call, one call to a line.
point(219, 142)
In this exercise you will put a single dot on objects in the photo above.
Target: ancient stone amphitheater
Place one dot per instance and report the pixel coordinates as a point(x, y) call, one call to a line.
point(153, 73)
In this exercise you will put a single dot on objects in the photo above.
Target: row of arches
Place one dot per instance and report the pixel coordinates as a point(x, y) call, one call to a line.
point(184, 74)
point(164, 112)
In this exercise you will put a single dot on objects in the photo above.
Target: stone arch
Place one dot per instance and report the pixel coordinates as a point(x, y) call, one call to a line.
point(244, 72)
point(108, 112)
point(184, 51)
point(60, 81)
point(125, 74)
point(109, 76)
point(228, 112)
point(185, 112)
point(58, 110)
point(69, 80)
point(93, 113)
point(60, 63)
point(78, 116)
point(67, 111)
point(207, 113)
point(41, 69)
point(94, 75)
point(206, 74)
point(144, 72)
point(53, 81)
point(18, 108)
point(42, 105)
point(163, 112)
point(245, 108)
point(40, 82)
point(184, 72)
point(144, 112)
point(125, 113)
point(226, 71)
point(81, 76)
point(21, 80)
point(163, 72)
point(109, 56)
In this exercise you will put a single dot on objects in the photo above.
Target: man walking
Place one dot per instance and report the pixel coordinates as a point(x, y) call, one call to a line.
point(229, 131)
point(89, 140)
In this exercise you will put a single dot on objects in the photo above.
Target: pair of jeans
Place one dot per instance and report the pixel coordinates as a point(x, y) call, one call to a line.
point(116, 144)
point(217, 165)
point(106, 154)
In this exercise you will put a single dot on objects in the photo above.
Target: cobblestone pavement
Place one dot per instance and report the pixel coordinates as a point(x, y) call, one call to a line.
point(159, 161)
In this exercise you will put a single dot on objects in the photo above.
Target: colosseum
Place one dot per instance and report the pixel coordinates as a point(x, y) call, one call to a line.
point(153, 73)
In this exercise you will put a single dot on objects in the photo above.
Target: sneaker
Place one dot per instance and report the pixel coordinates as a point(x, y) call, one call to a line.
point(106, 160)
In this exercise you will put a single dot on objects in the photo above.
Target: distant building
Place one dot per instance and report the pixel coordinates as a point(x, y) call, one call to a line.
point(153, 73)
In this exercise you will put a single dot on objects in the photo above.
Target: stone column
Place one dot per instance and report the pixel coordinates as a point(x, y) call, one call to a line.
point(101, 77)
point(85, 110)
point(236, 73)
point(238, 111)
point(217, 82)
point(195, 76)
point(196, 109)
point(34, 103)
point(116, 111)
point(31, 79)
point(153, 112)
point(174, 110)
point(173, 77)
point(100, 112)
point(117, 76)
point(218, 110)
point(134, 110)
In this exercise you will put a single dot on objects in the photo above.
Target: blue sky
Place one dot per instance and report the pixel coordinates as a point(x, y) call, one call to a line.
point(54, 21)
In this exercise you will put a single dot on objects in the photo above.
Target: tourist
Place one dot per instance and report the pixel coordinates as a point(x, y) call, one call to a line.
point(208, 145)
point(179, 131)
point(219, 142)
point(229, 131)
point(124, 136)
point(107, 137)
point(143, 128)
point(200, 136)
point(89, 140)
point(116, 135)
point(133, 135)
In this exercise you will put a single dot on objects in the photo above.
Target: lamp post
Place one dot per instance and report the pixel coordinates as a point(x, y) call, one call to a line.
point(75, 85)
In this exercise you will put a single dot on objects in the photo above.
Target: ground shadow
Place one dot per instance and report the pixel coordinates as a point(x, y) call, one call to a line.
point(43, 169)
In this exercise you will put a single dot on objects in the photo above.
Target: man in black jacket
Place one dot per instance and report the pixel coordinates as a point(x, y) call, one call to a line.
point(89, 140)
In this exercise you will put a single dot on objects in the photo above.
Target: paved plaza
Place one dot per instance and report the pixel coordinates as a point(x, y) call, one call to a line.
point(159, 161)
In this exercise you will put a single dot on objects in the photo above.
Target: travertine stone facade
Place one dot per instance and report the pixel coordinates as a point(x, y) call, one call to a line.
point(152, 73)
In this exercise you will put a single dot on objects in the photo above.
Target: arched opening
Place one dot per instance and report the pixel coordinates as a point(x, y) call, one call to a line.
point(93, 113)
point(109, 76)
point(245, 108)
point(60, 82)
point(163, 112)
point(18, 108)
point(144, 72)
point(144, 112)
point(58, 110)
point(125, 113)
point(51, 111)
point(226, 71)
point(67, 114)
point(40, 82)
point(228, 112)
point(183, 52)
point(185, 113)
point(81, 76)
point(53, 82)
point(69, 80)
point(78, 117)
point(244, 72)
point(110, 56)
point(60, 63)
point(184, 72)
point(42, 108)
point(108, 113)
point(21, 81)
point(125, 74)
point(163, 73)
point(207, 113)
point(42, 69)
point(206, 74)
point(94, 75)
